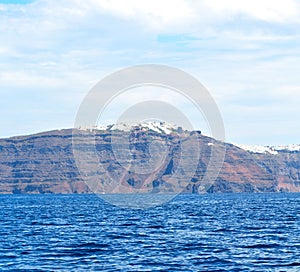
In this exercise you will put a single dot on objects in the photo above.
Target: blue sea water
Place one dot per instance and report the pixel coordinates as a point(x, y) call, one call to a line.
point(224, 232)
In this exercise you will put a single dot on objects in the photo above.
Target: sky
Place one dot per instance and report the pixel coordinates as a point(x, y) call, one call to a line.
point(246, 53)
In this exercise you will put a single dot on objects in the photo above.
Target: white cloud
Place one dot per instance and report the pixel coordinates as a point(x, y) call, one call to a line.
point(56, 48)
point(186, 13)
point(267, 10)
point(155, 13)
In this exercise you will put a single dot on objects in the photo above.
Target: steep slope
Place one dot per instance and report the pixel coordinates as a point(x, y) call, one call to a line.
point(44, 163)
point(282, 162)
point(41, 163)
point(284, 167)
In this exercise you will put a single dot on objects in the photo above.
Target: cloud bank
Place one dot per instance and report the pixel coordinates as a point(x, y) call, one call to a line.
point(245, 52)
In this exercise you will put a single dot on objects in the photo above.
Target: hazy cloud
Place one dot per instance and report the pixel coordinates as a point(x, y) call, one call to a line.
point(62, 48)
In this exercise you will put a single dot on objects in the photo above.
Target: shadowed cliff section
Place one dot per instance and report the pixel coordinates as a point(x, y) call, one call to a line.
point(284, 167)
point(44, 163)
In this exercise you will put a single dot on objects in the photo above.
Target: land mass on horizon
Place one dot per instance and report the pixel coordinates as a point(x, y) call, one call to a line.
point(44, 163)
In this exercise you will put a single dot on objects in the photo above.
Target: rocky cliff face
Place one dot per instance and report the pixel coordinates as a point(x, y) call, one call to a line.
point(284, 167)
point(44, 163)
point(41, 163)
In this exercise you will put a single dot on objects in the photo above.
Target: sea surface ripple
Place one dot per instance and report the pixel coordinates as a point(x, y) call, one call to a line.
point(218, 232)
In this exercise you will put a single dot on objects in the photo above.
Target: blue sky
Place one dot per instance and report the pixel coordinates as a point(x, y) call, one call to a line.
point(247, 53)
point(15, 2)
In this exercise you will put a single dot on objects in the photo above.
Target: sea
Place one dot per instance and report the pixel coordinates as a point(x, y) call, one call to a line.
point(210, 232)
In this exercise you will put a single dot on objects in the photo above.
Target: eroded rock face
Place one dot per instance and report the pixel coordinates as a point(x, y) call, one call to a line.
point(41, 163)
point(44, 163)
point(284, 167)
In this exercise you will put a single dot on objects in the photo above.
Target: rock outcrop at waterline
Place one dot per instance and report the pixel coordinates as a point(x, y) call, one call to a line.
point(44, 163)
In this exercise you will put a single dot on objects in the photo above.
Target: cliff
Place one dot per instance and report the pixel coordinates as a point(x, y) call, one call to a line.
point(44, 163)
